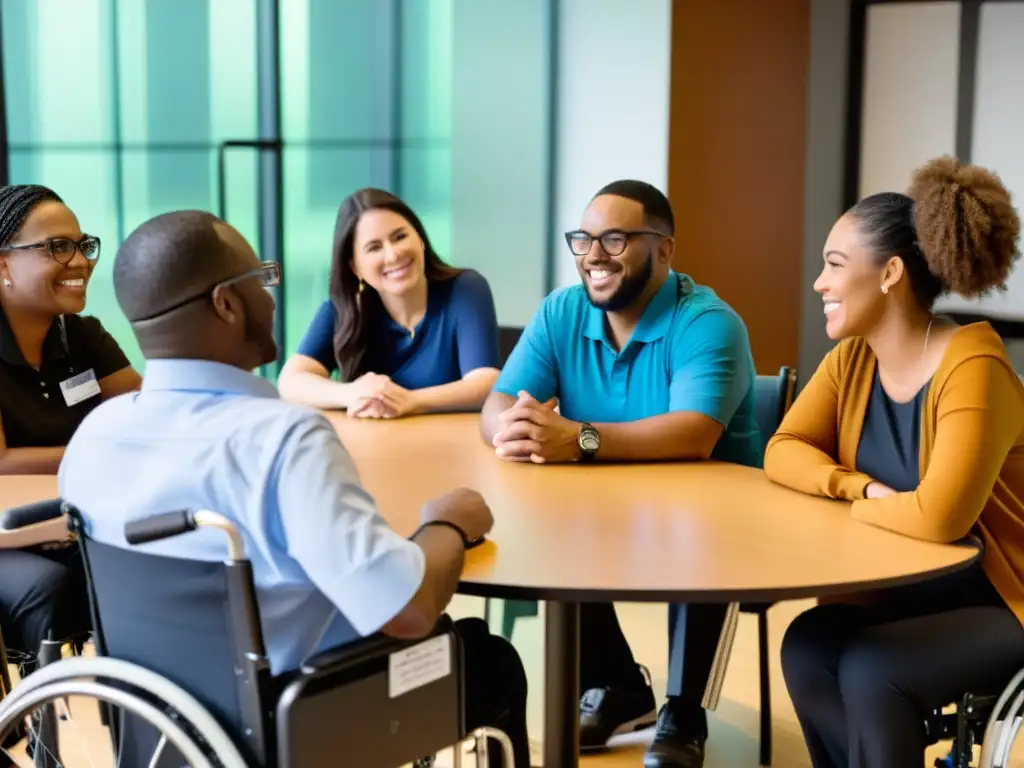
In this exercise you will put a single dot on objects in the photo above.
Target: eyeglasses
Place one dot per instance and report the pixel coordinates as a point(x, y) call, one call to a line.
point(62, 249)
point(613, 241)
point(268, 273)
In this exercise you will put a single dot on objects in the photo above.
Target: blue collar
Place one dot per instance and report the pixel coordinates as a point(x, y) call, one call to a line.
point(657, 315)
point(203, 376)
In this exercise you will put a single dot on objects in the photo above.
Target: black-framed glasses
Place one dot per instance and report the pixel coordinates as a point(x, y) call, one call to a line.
point(62, 249)
point(613, 241)
point(268, 273)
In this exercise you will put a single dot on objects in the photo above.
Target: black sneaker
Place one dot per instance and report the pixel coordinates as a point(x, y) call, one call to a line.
point(679, 739)
point(607, 712)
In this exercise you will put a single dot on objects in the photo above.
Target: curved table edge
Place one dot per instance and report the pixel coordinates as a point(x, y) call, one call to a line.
point(749, 595)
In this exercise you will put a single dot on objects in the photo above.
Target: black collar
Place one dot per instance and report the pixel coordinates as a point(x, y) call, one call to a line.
point(10, 352)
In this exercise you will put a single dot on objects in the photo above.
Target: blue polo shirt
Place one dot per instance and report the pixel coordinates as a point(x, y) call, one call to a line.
point(458, 334)
point(201, 435)
point(689, 352)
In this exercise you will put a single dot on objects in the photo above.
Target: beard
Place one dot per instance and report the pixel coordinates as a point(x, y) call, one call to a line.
point(629, 290)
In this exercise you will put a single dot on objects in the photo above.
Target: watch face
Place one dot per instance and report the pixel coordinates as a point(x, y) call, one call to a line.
point(589, 442)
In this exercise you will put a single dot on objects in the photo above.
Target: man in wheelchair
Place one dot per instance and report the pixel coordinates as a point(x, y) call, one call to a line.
point(206, 434)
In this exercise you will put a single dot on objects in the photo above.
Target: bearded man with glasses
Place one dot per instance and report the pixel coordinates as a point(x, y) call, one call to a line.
point(644, 365)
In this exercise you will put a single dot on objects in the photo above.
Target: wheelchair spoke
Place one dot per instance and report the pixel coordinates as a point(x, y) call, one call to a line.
point(158, 752)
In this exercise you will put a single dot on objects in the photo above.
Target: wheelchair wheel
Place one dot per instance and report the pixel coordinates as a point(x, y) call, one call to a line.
point(181, 726)
point(1003, 725)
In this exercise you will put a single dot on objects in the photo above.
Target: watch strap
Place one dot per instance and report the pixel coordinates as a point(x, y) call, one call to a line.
point(466, 543)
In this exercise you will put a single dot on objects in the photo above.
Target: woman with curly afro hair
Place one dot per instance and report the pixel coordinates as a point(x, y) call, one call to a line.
point(920, 424)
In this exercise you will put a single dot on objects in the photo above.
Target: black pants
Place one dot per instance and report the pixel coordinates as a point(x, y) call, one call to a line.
point(607, 661)
point(862, 679)
point(495, 688)
point(42, 590)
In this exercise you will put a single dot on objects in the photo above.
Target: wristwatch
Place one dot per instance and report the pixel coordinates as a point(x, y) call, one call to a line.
point(589, 441)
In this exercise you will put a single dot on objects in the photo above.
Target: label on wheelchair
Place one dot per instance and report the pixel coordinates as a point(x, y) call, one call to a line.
point(419, 665)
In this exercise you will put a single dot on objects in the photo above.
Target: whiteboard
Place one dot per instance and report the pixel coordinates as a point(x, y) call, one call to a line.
point(911, 65)
point(998, 136)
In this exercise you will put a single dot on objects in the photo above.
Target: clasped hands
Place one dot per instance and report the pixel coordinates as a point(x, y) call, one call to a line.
point(378, 397)
point(534, 431)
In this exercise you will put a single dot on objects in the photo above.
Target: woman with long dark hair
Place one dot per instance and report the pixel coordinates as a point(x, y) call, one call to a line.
point(56, 366)
point(406, 332)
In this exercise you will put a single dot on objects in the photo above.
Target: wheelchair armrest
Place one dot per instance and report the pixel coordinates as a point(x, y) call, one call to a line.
point(367, 648)
point(29, 514)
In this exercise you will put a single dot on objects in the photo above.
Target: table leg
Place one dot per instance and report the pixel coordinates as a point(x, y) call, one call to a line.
point(713, 690)
point(561, 685)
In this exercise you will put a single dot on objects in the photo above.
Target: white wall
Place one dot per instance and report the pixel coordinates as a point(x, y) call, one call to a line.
point(613, 88)
point(910, 91)
point(910, 106)
point(999, 129)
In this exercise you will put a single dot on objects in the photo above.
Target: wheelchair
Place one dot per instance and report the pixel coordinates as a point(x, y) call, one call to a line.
point(991, 722)
point(182, 678)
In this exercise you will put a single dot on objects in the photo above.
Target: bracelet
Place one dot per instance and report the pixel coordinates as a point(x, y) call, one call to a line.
point(466, 543)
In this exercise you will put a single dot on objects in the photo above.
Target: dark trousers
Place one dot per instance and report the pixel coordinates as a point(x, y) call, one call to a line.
point(862, 679)
point(607, 661)
point(495, 684)
point(42, 590)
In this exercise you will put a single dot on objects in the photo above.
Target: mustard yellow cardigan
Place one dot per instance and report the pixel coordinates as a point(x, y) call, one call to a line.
point(972, 451)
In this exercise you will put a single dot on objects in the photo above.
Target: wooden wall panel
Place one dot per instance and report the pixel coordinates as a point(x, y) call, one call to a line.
point(736, 159)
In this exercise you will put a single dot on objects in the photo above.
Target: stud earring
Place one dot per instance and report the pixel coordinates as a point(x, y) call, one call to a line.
point(885, 289)
point(361, 286)
point(7, 282)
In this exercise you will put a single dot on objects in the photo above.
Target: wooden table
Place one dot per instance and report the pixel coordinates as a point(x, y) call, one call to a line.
point(567, 534)
point(657, 533)
point(25, 489)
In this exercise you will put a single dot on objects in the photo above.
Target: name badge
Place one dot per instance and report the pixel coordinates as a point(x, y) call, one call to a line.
point(80, 387)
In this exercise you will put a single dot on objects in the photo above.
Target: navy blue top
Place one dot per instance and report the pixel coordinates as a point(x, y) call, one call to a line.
point(890, 441)
point(458, 334)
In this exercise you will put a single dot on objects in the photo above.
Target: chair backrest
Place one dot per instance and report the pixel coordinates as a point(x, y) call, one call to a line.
point(508, 337)
point(172, 616)
point(772, 397)
point(379, 702)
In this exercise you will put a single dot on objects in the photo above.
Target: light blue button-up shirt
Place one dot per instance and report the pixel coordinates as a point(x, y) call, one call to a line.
point(201, 435)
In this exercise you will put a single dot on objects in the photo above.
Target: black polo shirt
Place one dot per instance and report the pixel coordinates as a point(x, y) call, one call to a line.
point(32, 405)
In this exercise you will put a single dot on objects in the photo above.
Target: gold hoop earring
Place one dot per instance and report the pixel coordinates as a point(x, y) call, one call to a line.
point(361, 286)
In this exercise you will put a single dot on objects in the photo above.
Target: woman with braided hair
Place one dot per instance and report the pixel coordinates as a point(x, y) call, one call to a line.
point(920, 424)
point(55, 367)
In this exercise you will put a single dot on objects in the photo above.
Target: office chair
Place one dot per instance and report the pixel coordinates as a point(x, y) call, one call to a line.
point(773, 395)
point(508, 337)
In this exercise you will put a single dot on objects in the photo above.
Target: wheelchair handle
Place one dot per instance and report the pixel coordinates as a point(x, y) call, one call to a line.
point(168, 524)
point(158, 527)
point(30, 514)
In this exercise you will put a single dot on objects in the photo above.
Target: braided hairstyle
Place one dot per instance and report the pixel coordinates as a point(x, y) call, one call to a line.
point(16, 203)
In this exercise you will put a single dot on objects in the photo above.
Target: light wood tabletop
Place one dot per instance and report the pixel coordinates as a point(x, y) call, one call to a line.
point(16, 490)
point(657, 532)
point(630, 532)
point(568, 534)
point(25, 489)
